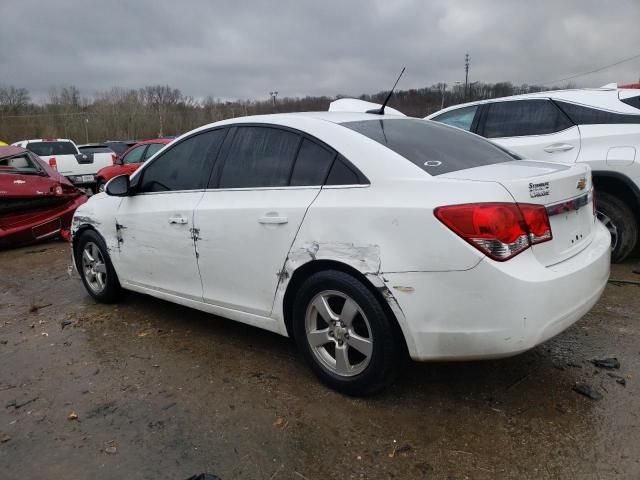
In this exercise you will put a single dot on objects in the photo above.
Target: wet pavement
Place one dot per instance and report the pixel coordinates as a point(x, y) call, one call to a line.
point(151, 390)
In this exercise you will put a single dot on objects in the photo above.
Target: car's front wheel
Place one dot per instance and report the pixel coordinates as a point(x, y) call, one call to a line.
point(100, 185)
point(95, 268)
point(619, 219)
point(345, 334)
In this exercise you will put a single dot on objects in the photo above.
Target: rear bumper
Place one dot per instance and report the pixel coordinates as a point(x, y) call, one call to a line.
point(41, 225)
point(498, 309)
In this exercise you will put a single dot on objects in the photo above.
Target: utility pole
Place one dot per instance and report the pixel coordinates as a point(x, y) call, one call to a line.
point(86, 129)
point(466, 76)
point(274, 95)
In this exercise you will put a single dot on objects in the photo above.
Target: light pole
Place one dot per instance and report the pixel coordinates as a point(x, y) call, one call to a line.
point(466, 75)
point(86, 129)
point(274, 95)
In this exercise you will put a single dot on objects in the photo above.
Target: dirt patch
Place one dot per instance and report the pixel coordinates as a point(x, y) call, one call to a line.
point(162, 391)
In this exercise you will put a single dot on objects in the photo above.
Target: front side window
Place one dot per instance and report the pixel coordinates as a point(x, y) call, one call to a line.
point(435, 148)
point(185, 166)
point(47, 149)
point(152, 149)
point(134, 156)
point(259, 157)
point(520, 118)
point(461, 117)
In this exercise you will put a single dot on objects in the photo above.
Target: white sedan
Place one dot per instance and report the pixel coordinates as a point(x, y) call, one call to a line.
point(365, 237)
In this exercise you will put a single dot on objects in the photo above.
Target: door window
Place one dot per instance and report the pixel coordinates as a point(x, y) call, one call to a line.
point(312, 164)
point(186, 165)
point(523, 117)
point(152, 149)
point(461, 117)
point(134, 156)
point(259, 157)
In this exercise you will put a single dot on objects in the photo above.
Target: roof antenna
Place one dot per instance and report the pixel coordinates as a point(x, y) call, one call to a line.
point(380, 111)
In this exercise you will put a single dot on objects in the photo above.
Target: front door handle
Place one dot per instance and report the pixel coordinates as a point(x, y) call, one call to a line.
point(558, 147)
point(272, 218)
point(178, 220)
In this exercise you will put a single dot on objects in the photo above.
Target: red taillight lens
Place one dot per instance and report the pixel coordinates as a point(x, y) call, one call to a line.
point(113, 159)
point(53, 164)
point(499, 230)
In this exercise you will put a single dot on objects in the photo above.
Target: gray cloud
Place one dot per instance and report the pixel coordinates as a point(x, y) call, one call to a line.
point(230, 49)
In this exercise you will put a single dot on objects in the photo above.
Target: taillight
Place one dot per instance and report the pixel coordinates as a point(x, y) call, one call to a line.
point(499, 230)
point(53, 164)
point(113, 158)
point(57, 191)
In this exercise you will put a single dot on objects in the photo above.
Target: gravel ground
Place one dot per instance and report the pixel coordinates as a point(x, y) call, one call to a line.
point(151, 390)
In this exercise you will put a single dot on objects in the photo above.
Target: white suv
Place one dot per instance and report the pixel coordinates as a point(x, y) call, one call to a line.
point(598, 126)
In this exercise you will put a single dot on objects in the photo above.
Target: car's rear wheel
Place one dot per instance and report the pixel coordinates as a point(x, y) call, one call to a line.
point(619, 219)
point(345, 334)
point(96, 269)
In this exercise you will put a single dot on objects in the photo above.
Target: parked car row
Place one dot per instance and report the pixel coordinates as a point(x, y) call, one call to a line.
point(42, 181)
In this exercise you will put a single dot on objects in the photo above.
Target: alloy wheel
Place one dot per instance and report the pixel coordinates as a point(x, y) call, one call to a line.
point(339, 333)
point(608, 223)
point(94, 267)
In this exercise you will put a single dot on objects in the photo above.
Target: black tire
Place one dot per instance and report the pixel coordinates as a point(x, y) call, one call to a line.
point(386, 352)
point(619, 219)
point(111, 291)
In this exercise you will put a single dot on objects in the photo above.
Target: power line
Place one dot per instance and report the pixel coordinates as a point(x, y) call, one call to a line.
point(633, 57)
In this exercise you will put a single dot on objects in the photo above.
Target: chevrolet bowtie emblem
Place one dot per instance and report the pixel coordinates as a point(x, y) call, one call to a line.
point(582, 184)
point(19, 182)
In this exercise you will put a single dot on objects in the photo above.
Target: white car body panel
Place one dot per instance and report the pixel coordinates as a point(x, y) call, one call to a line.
point(562, 146)
point(361, 106)
point(442, 291)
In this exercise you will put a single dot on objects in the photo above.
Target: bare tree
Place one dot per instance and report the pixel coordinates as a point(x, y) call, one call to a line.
point(13, 100)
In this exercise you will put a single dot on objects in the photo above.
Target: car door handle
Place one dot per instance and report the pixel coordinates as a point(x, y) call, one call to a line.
point(178, 220)
point(273, 219)
point(558, 147)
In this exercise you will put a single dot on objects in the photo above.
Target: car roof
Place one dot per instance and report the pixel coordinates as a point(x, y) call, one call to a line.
point(606, 98)
point(34, 140)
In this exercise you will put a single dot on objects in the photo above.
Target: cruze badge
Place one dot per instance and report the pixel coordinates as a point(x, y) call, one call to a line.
point(538, 189)
point(582, 184)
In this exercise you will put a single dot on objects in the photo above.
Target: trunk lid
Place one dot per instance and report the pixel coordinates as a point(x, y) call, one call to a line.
point(565, 191)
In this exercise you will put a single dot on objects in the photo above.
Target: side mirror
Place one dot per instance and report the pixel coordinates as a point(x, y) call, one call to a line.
point(118, 186)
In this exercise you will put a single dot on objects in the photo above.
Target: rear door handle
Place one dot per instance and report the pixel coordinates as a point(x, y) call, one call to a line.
point(558, 147)
point(178, 220)
point(273, 218)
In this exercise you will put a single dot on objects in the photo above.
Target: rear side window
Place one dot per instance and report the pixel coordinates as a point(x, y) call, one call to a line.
point(312, 164)
point(435, 148)
point(632, 101)
point(46, 149)
point(582, 115)
point(259, 157)
point(523, 117)
point(342, 174)
point(461, 117)
point(185, 166)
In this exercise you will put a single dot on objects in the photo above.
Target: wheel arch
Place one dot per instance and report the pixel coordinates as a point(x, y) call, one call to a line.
point(620, 186)
point(373, 282)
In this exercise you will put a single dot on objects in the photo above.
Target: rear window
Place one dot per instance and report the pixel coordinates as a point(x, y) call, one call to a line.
point(19, 164)
point(46, 149)
point(582, 115)
point(433, 147)
point(95, 150)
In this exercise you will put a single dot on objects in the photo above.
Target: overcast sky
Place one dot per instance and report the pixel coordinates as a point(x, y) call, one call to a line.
point(243, 49)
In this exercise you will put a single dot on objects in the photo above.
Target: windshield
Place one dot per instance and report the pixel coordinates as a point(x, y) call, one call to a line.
point(47, 149)
point(433, 147)
point(20, 164)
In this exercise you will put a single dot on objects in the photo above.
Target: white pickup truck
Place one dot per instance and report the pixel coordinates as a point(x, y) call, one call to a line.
point(63, 155)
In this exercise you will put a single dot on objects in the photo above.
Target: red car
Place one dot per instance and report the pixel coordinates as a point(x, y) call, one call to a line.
point(130, 161)
point(36, 203)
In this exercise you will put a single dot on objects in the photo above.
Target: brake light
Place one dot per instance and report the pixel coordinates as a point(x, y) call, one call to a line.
point(499, 230)
point(630, 85)
point(53, 163)
point(113, 158)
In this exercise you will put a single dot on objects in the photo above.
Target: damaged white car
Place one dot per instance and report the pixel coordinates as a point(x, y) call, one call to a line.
point(366, 237)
